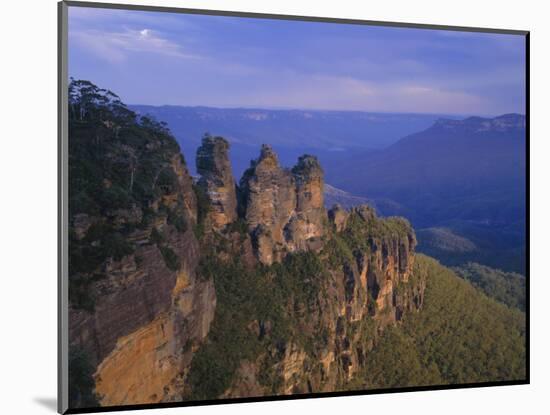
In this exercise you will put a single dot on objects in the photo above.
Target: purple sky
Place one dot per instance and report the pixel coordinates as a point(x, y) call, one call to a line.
point(164, 58)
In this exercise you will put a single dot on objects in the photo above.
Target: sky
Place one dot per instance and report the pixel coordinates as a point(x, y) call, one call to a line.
point(159, 58)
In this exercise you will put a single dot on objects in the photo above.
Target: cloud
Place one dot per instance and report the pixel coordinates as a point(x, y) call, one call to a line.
point(347, 93)
point(115, 47)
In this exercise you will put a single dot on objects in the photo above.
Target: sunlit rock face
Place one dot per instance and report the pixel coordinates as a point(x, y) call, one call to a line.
point(217, 180)
point(338, 216)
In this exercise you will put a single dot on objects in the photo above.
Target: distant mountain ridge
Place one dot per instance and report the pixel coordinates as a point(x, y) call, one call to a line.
point(503, 123)
point(466, 175)
point(327, 134)
point(320, 128)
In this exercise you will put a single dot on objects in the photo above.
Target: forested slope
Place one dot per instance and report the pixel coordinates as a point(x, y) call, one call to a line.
point(460, 336)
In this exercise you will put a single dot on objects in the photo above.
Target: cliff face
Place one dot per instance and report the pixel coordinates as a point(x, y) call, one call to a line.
point(137, 309)
point(149, 313)
point(254, 290)
point(358, 294)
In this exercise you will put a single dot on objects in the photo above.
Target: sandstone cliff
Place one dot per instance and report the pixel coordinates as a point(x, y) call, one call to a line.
point(363, 282)
point(137, 308)
point(182, 291)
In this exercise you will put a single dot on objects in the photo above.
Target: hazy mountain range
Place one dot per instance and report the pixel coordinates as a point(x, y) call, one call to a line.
point(467, 177)
point(330, 135)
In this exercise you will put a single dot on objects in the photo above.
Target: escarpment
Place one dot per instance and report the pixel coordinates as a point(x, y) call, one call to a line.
point(137, 309)
point(328, 284)
point(183, 290)
point(312, 318)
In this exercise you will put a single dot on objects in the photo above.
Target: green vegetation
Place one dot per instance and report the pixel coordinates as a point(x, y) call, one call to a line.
point(178, 220)
point(171, 259)
point(86, 255)
point(444, 239)
point(460, 336)
point(459, 243)
point(119, 163)
point(238, 226)
point(506, 287)
point(116, 158)
point(361, 227)
point(262, 296)
point(203, 207)
point(337, 252)
point(357, 237)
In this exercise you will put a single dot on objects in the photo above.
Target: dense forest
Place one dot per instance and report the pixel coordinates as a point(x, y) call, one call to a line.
point(460, 336)
point(506, 287)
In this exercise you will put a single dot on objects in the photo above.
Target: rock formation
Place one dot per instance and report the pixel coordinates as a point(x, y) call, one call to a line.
point(283, 209)
point(217, 180)
point(269, 200)
point(146, 311)
point(153, 308)
point(338, 216)
point(306, 227)
point(146, 276)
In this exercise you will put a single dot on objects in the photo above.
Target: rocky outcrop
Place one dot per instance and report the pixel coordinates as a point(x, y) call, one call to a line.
point(283, 208)
point(387, 264)
point(148, 319)
point(217, 180)
point(269, 200)
point(153, 311)
point(356, 300)
point(338, 216)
